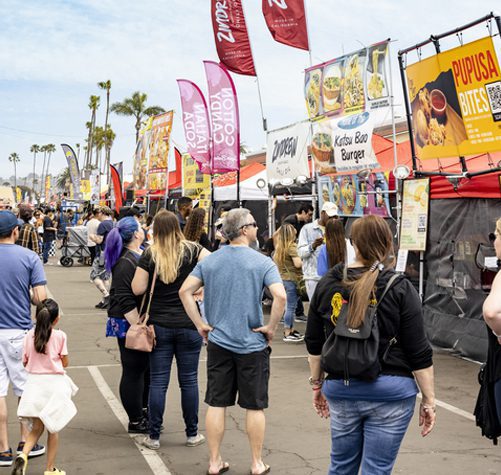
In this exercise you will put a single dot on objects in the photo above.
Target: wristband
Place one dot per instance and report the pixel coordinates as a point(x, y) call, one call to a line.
point(427, 407)
point(316, 382)
point(317, 388)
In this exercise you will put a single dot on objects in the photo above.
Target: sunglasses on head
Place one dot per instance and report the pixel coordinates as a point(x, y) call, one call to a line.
point(253, 224)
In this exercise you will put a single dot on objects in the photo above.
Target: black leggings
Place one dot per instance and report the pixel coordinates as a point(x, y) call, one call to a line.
point(135, 381)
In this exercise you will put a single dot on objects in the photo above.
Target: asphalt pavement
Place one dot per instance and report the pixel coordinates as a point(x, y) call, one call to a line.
point(297, 440)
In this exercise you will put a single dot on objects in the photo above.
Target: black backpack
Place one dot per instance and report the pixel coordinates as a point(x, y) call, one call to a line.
point(485, 409)
point(354, 352)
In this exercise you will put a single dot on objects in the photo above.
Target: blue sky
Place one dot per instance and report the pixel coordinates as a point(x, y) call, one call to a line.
point(54, 52)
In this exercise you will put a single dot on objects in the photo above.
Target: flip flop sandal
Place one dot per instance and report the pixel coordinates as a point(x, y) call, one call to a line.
point(223, 469)
point(267, 469)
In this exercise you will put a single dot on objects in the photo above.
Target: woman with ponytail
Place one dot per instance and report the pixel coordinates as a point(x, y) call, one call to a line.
point(46, 400)
point(369, 418)
point(121, 255)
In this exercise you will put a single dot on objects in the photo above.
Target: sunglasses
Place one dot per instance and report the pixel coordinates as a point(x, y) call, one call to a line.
point(253, 224)
point(492, 237)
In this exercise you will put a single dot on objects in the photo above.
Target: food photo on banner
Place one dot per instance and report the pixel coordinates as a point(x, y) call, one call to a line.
point(351, 84)
point(140, 172)
point(414, 218)
point(287, 153)
point(159, 146)
point(354, 196)
point(455, 99)
point(345, 144)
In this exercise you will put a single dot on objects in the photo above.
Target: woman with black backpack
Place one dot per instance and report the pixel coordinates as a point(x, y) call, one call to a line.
point(369, 396)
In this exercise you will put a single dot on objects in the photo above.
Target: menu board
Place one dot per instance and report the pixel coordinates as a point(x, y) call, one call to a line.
point(352, 84)
point(414, 219)
point(355, 197)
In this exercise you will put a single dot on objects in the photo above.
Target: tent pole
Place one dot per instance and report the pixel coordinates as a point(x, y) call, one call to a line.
point(421, 275)
point(407, 110)
point(212, 234)
point(238, 188)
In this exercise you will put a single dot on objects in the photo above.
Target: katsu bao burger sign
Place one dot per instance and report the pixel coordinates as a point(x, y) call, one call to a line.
point(455, 99)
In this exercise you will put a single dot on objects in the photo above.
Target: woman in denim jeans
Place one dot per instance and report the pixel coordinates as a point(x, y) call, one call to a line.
point(290, 267)
point(369, 417)
point(173, 258)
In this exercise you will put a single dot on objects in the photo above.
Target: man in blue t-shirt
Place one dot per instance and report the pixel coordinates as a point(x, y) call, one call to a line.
point(238, 351)
point(21, 271)
point(98, 274)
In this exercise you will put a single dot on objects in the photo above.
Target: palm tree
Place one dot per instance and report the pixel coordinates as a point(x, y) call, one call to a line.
point(77, 145)
point(106, 86)
point(34, 150)
point(135, 106)
point(63, 180)
point(93, 106)
point(98, 144)
point(43, 149)
point(14, 158)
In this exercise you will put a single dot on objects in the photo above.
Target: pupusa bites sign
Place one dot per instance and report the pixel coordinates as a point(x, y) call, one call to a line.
point(456, 101)
point(225, 123)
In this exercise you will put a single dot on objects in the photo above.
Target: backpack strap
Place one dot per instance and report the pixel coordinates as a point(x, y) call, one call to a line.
point(393, 278)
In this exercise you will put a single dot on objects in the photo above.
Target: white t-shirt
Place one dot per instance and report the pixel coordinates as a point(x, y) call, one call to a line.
point(92, 226)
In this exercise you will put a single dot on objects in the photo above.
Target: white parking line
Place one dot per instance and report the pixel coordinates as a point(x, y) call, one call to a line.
point(152, 458)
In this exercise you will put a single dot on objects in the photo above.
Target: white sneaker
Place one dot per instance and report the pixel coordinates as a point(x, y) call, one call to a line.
point(152, 444)
point(198, 439)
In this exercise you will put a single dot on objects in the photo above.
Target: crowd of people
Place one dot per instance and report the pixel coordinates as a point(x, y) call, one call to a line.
point(196, 291)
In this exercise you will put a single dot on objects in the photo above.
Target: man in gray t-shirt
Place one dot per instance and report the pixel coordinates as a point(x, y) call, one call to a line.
point(238, 352)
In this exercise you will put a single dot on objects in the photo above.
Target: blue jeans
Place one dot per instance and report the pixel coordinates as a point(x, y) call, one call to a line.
point(45, 250)
point(290, 290)
point(367, 434)
point(185, 345)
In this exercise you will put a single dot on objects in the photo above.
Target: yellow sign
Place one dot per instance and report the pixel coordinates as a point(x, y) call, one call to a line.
point(196, 185)
point(456, 101)
point(85, 189)
point(18, 194)
point(414, 219)
point(159, 145)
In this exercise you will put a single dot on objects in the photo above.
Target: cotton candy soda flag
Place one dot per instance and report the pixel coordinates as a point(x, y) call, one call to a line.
point(225, 122)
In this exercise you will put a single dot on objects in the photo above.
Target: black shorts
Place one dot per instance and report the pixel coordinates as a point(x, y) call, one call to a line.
point(229, 373)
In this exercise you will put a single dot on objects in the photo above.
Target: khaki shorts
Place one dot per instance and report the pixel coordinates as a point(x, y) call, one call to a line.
point(11, 361)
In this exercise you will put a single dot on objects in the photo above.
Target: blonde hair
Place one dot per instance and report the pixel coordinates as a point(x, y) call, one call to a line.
point(283, 238)
point(169, 246)
point(498, 227)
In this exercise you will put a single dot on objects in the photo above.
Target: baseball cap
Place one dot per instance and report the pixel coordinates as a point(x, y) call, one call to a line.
point(330, 209)
point(8, 222)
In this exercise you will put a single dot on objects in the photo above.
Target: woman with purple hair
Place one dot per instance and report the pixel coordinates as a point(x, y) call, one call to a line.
point(122, 254)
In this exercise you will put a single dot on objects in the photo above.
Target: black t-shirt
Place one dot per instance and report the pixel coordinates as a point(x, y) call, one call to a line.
point(122, 300)
point(292, 219)
point(48, 235)
point(166, 308)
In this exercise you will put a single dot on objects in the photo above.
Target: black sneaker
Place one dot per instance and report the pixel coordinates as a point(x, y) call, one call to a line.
point(293, 337)
point(99, 305)
point(140, 427)
point(6, 458)
point(36, 451)
point(300, 318)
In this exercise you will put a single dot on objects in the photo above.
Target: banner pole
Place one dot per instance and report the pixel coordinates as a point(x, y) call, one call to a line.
point(238, 188)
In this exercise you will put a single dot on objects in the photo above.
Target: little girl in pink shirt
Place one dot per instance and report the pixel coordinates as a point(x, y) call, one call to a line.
point(46, 400)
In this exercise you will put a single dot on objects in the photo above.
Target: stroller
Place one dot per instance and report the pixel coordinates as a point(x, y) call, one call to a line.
point(74, 246)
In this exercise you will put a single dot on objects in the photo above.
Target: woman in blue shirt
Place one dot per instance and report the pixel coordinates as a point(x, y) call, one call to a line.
point(369, 418)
